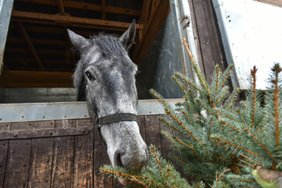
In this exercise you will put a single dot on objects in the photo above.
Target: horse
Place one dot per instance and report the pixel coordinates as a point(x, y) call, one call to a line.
point(105, 78)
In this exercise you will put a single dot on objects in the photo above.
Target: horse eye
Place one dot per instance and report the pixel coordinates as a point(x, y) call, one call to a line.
point(89, 76)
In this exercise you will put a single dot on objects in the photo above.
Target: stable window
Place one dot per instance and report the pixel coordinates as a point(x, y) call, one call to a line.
point(38, 61)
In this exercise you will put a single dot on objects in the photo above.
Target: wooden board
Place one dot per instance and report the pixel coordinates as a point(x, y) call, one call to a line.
point(83, 158)
point(18, 161)
point(208, 38)
point(4, 147)
point(153, 135)
point(41, 158)
point(63, 161)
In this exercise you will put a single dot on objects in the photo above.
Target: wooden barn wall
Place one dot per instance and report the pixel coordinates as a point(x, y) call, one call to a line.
point(162, 60)
point(165, 56)
point(62, 153)
point(207, 36)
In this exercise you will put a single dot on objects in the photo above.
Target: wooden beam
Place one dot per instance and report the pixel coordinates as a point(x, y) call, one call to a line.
point(79, 26)
point(87, 6)
point(71, 20)
point(38, 41)
point(41, 52)
point(103, 8)
point(153, 28)
point(61, 6)
point(31, 47)
point(23, 79)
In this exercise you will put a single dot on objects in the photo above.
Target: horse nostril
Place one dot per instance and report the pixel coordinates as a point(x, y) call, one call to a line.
point(117, 159)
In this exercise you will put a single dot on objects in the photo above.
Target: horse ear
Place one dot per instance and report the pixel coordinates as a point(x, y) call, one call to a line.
point(79, 42)
point(128, 37)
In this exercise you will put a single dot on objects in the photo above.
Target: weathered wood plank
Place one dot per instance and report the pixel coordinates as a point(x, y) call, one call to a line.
point(71, 19)
point(164, 141)
point(4, 147)
point(83, 163)
point(41, 155)
point(100, 158)
point(153, 135)
point(88, 6)
point(209, 38)
point(43, 133)
point(63, 157)
point(142, 126)
point(17, 170)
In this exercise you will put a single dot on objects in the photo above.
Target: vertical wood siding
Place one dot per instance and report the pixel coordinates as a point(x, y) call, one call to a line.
point(66, 160)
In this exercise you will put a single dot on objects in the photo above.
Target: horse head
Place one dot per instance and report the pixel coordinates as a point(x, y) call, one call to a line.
point(105, 78)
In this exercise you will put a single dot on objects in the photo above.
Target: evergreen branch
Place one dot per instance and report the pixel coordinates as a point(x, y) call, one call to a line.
point(155, 156)
point(187, 116)
point(247, 163)
point(222, 95)
point(261, 145)
point(225, 124)
point(229, 102)
point(196, 68)
point(220, 176)
point(220, 140)
point(276, 70)
point(107, 170)
point(178, 140)
point(180, 84)
point(160, 98)
point(187, 81)
point(169, 125)
point(181, 124)
point(226, 75)
point(254, 95)
point(218, 72)
point(247, 158)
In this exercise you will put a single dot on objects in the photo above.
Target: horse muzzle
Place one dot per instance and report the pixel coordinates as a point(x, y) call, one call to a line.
point(132, 158)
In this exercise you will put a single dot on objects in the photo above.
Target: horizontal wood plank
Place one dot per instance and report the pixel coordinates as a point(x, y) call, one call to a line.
point(67, 161)
point(65, 19)
point(87, 6)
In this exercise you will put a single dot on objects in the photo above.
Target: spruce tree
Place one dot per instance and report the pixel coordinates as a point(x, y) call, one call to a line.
point(218, 139)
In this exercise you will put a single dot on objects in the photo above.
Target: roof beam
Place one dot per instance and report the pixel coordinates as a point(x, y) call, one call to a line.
point(61, 6)
point(103, 8)
point(30, 45)
point(87, 6)
point(71, 20)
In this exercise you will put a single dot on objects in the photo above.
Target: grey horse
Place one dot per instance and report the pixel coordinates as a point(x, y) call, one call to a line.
point(105, 78)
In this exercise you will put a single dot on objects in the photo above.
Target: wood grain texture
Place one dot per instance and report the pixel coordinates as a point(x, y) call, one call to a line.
point(4, 147)
point(18, 161)
point(153, 135)
point(209, 40)
point(83, 158)
point(41, 157)
point(66, 161)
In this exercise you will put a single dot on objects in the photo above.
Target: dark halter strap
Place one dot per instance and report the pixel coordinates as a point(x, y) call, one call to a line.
point(114, 118)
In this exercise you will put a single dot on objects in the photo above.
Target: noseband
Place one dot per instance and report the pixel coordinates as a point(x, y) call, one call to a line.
point(114, 118)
